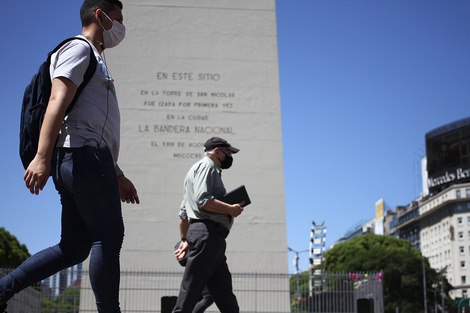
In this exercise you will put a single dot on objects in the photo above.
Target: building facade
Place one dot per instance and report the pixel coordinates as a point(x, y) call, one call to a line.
point(64, 279)
point(445, 234)
point(438, 223)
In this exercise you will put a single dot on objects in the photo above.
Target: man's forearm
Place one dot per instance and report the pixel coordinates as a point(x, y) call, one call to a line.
point(217, 206)
point(184, 226)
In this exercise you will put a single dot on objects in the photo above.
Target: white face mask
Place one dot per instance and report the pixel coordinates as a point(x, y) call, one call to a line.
point(113, 36)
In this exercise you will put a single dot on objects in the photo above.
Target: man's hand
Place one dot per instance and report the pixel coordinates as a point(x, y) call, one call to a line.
point(37, 174)
point(182, 250)
point(236, 209)
point(62, 92)
point(127, 191)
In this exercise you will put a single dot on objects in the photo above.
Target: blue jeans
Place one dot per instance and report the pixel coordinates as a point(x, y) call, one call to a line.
point(91, 220)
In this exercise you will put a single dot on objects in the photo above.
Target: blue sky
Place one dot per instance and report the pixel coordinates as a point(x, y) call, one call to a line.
point(361, 83)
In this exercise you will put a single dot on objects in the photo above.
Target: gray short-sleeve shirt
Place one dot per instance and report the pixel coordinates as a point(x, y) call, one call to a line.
point(203, 183)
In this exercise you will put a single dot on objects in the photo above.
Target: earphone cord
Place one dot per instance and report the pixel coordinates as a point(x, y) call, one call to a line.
point(107, 98)
point(107, 108)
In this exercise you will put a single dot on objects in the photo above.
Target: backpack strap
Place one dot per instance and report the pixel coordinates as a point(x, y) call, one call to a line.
point(88, 74)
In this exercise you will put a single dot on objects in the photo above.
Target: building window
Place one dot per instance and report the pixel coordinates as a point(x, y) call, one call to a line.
point(459, 207)
point(462, 264)
point(460, 221)
point(467, 191)
point(457, 193)
point(460, 235)
point(462, 250)
point(464, 279)
point(468, 219)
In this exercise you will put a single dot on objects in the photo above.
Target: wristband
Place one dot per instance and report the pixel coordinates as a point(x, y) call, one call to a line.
point(184, 239)
point(119, 174)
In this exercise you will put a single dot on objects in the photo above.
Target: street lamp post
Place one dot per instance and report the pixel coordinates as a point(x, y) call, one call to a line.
point(442, 289)
point(435, 300)
point(424, 288)
point(461, 300)
point(296, 264)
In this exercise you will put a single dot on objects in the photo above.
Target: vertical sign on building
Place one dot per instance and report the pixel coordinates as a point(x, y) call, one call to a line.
point(186, 71)
point(379, 217)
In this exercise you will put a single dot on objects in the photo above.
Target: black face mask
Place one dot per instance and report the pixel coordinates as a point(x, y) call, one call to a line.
point(227, 162)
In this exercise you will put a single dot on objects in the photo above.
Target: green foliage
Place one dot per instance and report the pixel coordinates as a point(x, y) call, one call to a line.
point(299, 290)
point(402, 268)
point(12, 253)
point(67, 302)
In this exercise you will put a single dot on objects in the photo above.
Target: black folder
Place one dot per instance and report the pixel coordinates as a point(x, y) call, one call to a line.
point(237, 195)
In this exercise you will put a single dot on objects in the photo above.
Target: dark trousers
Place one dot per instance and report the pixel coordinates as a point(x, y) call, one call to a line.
point(91, 221)
point(206, 266)
point(205, 302)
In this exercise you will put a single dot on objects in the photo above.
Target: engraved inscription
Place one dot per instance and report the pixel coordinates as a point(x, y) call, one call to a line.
point(186, 108)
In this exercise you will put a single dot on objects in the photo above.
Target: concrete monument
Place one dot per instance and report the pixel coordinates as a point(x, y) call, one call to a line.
point(186, 71)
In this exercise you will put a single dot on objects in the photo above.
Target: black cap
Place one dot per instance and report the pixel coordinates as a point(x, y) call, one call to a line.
point(217, 142)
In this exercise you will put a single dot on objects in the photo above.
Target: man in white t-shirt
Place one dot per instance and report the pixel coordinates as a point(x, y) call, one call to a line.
point(80, 151)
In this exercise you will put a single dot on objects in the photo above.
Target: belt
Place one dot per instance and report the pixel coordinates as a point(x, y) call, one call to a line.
point(220, 229)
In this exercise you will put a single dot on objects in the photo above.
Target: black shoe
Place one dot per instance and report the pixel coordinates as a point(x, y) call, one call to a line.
point(3, 307)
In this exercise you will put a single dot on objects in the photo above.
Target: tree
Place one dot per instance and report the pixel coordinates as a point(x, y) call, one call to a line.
point(12, 253)
point(67, 302)
point(299, 291)
point(402, 268)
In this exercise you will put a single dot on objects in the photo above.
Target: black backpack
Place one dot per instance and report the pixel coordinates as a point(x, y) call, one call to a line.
point(35, 100)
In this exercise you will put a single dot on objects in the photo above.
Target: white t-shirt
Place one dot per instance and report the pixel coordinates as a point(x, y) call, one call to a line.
point(95, 118)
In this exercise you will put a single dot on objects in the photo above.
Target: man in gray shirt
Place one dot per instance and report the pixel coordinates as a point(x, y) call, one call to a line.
point(205, 222)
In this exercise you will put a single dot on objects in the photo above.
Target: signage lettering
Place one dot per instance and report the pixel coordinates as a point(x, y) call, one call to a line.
point(449, 177)
point(187, 107)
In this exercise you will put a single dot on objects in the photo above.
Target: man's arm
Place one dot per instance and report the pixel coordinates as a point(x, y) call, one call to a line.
point(182, 250)
point(184, 226)
point(127, 190)
point(205, 181)
point(62, 93)
point(218, 206)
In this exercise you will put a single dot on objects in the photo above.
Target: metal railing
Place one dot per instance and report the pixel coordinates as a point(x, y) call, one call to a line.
point(143, 291)
point(337, 292)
